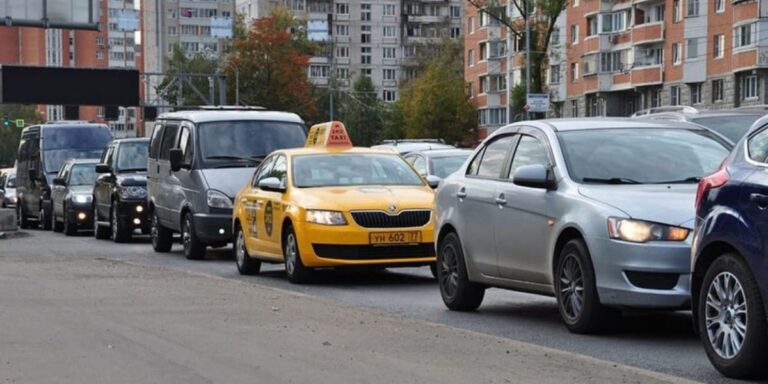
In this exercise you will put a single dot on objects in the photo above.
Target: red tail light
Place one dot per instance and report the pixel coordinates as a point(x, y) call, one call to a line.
point(715, 180)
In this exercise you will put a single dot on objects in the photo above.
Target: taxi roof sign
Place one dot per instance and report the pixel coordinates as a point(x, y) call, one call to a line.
point(330, 134)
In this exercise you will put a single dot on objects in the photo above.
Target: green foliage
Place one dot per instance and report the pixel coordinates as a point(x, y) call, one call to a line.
point(9, 137)
point(448, 51)
point(519, 100)
point(180, 62)
point(362, 112)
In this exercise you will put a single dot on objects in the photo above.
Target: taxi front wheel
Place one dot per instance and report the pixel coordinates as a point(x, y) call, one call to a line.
point(294, 268)
point(245, 264)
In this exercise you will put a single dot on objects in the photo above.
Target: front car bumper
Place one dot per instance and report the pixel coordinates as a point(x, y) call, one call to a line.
point(133, 213)
point(80, 215)
point(213, 228)
point(642, 275)
point(349, 245)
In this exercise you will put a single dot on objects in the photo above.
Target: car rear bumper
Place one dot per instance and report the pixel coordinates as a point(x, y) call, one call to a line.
point(648, 275)
point(213, 228)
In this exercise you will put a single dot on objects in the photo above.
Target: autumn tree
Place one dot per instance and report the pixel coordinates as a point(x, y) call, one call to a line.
point(436, 105)
point(269, 63)
point(542, 16)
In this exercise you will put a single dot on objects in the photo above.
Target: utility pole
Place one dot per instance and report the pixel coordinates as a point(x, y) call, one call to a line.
point(527, 55)
point(331, 57)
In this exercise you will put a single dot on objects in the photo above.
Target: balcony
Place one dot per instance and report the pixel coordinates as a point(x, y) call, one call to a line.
point(423, 19)
point(648, 33)
point(646, 75)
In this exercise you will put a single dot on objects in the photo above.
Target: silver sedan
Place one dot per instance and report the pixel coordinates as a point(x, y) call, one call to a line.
point(597, 212)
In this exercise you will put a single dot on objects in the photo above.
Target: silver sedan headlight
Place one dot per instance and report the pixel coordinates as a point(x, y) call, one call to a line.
point(133, 192)
point(82, 199)
point(638, 231)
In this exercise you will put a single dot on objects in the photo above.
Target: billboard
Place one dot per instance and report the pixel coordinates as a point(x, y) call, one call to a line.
point(71, 14)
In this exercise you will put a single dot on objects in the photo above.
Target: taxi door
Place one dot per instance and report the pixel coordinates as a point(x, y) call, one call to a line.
point(273, 211)
point(253, 206)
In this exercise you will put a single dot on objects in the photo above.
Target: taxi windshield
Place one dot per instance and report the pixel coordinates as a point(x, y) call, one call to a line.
point(332, 170)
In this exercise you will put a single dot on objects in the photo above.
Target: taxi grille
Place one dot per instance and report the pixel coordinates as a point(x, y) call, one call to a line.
point(371, 252)
point(379, 219)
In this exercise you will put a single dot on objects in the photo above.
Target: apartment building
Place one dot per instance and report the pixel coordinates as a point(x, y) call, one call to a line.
point(495, 63)
point(77, 48)
point(377, 38)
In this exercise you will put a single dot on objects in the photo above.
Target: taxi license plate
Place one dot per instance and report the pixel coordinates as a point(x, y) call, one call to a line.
point(395, 237)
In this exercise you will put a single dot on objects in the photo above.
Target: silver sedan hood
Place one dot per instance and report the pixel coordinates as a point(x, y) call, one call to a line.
point(671, 204)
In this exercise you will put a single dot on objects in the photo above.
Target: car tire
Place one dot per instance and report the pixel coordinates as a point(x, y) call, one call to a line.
point(245, 264)
point(55, 225)
point(162, 238)
point(458, 293)
point(45, 223)
point(737, 288)
point(578, 302)
point(99, 231)
point(295, 270)
point(70, 229)
point(194, 249)
point(119, 233)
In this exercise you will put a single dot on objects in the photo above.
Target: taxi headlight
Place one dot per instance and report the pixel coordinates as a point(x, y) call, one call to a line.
point(133, 192)
point(217, 199)
point(642, 231)
point(82, 199)
point(325, 217)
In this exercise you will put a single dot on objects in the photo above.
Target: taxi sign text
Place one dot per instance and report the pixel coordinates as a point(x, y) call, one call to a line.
point(331, 134)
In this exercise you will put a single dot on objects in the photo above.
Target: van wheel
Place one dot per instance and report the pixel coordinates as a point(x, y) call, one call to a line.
point(45, 223)
point(294, 268)
point(161, 237)
point(458, 293)
point(245, 264)
point(120, 234)
point(731, 319)
point(194, 249)
point(576, 291)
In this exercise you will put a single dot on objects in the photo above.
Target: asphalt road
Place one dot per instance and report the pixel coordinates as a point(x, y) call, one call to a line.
point(661, 342)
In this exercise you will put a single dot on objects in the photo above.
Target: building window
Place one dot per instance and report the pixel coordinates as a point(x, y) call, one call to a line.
point(555, 38)
point(692, 48)
point(718, 48)
point(749, 87)
point(575, 3)
point(574, 34)
point(656, 98)
point(574, 108)
point(483, 51)
point(342, 52)
point(611, 61)
point(471, 24)
point(342, 73)
point(318, 71)
point(695, 93)
point(389, 96)
point(389, 10)
point(365, 34)
point(389, 74)
point(719, 6)
point(744, 35)
point(365, 56)
point(455, 32)
point(100, 41)
point(389, 52)
point(483, 84)
point(574, 72)
point(717, 90)
point(342, 30)
point(365, 12)
point(614, 22)
point(591, 25)
point(676, 53)
point(342, 8)
point(555, 76)
point(676, 14)
point(99, 55)
point(456, 12)
point(471, 57)
point(390, 31)
point(692, 8)
point(674, 95)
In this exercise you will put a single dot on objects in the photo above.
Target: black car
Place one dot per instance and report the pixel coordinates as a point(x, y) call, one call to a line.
point(71, 196)
point(120, 193)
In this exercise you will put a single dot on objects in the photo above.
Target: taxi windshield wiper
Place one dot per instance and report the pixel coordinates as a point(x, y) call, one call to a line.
point(692, 179)
point(610, 180)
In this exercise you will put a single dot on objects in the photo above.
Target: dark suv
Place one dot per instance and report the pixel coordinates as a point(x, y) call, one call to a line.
point(730, 258)
point(120, 193)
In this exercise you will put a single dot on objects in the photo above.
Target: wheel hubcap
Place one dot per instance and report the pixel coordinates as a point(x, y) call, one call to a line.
point(571, 287)
point(187, 236)
point(240, 248)
point(726, 315)
point(114, 222)
point(290, 254)
point(153, 231)
point(448, 272)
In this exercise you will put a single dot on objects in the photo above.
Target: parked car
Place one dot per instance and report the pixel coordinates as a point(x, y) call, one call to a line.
point(42, 151)
point(72, 196)
point(730, 259)
point(198, 161)
point(407, 146)
point(8, 190)
point(733, 124)
point(438, 162)
point(595, 211)
point(120, 192)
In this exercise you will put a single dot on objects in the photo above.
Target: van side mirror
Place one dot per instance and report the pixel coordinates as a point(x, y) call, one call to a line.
point(59, 181)
point(271, 184)
point(176, 156)
point(103, 168)
point(533, 176)
point(433, 181)
point(32, 175)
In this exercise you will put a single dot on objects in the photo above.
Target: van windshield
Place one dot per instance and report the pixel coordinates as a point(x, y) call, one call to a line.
point(72, 142)
point(245, 143)
point(55, 158)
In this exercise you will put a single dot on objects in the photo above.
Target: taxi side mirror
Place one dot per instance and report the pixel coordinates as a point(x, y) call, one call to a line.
point(433, 181)
point(271, 184)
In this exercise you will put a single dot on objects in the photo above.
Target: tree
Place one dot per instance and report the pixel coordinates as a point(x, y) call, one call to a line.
point(9, 136)
point(362, 112)
point(542, 16)
point(270, 63)
point(180, 62)
point(449, 51)
point(436, 105)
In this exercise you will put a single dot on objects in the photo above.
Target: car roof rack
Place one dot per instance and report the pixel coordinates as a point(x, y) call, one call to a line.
point(670, 108)
point(398, 141)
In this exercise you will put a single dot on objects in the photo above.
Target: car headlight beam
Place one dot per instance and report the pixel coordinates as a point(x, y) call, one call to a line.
point(325, 217)
point(638, 231)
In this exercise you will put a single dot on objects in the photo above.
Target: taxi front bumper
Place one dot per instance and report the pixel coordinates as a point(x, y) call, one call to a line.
point(350, 245)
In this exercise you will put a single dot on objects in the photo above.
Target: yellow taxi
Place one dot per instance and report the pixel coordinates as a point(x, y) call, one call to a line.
point(332, 205)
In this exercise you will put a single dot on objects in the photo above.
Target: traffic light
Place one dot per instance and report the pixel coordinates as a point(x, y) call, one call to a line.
point(6, 122)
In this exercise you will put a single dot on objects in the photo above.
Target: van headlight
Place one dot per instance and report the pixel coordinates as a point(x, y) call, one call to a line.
point(638, 231)
point(217, 199)
point(82, 199)
point(325, 217)
point(133, 192)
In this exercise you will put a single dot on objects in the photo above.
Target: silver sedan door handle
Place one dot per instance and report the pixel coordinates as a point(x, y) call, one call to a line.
point(501, 199)
point(462, 193)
